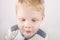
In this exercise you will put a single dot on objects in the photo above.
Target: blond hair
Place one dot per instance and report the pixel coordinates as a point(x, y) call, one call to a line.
point(35, 4)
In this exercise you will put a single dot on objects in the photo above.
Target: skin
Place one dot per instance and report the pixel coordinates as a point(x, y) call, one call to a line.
point(28, 20)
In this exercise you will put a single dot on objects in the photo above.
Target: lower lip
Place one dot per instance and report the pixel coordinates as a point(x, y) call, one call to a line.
point(28, 31)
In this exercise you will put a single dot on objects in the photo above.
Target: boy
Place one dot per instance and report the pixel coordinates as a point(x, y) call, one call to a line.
point(29, 14)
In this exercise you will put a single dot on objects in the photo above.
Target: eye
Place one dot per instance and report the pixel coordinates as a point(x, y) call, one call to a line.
point(34, 20)
point(23, 20)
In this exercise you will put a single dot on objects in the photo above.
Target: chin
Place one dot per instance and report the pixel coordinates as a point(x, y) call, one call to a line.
point(28, 35)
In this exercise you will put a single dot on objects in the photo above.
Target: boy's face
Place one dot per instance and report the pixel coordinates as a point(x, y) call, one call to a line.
point(28, 20)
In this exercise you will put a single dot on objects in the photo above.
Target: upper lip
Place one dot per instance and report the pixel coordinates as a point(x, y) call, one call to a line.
point(27, 30)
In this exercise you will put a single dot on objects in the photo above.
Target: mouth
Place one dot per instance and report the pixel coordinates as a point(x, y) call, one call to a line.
point(28, 31)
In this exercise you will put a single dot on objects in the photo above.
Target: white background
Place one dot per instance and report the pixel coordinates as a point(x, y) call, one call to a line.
point(51, 23)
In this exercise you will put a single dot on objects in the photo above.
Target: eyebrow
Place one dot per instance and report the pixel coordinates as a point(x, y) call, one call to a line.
point(32, 18)
point(20, 18)
point(35, 18)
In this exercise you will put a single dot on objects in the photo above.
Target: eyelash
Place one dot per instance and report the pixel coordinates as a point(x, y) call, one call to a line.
point(23, 19)
point(32, 20)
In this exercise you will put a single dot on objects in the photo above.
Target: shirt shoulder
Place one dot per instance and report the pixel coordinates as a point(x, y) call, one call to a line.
point(43, 34)
point(12, 32)
point(14, 28)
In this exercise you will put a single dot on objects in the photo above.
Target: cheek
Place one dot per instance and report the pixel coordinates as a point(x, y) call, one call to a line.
point(20, 25)
point(36, 26)
point(19, 22)
point(35, 29)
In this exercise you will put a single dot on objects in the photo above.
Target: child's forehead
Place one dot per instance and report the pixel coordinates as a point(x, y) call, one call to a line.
point(26, 12)
point(28, 9)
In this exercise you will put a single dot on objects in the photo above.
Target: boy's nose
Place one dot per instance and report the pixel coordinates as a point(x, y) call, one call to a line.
point(28, 25)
